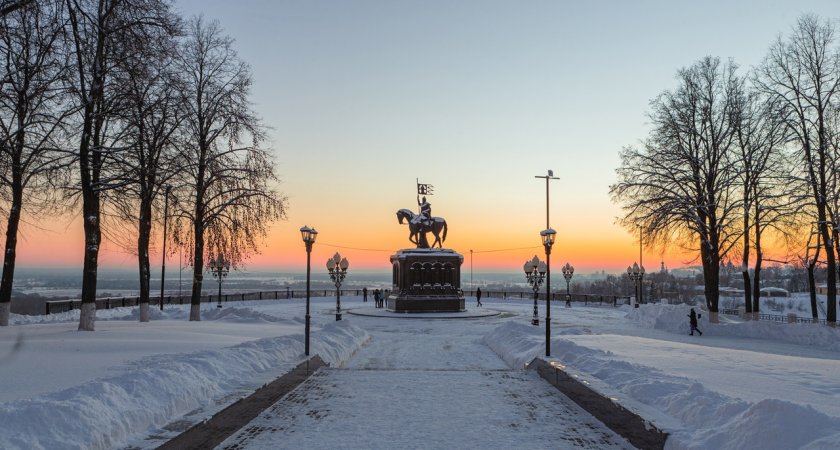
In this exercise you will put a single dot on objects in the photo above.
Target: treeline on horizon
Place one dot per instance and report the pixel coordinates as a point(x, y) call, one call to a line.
point(136, 119)
point(735, 158)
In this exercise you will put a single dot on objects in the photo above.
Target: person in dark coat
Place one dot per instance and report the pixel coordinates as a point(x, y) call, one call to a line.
point(478, 296)
point(364, 294)
point(376, 297)
point(692, 320)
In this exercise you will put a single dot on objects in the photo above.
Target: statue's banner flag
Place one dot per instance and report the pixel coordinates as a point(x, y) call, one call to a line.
point(424, 189)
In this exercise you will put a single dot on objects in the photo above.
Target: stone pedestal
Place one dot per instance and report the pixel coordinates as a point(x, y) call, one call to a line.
point(426, 280)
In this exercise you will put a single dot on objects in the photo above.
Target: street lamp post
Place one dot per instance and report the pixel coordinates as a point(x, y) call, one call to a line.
point(308, 235)
point(641, 286)
point(337, 266)
point(163, 262)
point(568, 271)
point(547, 236)
point(535, 274)
point(219, 267)
point(636, 274)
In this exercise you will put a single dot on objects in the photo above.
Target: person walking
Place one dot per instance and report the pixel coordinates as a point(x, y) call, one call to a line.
point(376, 298)
point(692, 321)
point(478, 296)
point(364, 294)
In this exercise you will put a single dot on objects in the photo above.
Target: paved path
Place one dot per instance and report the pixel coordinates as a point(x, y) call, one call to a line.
point(423, 384)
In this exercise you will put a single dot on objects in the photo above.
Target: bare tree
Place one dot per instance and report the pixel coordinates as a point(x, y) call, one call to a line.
point(764, 174)
point(151, 113)
point(802, 74)
point(9, 6)
point(809, 262)
point(229, 177)
point(32, 113)
point(681, 184)
point(98, 28)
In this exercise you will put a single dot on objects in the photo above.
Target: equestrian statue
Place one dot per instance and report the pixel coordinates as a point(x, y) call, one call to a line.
point(424, 222)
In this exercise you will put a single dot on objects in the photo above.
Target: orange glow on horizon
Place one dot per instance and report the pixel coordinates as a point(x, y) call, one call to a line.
point(608, 247)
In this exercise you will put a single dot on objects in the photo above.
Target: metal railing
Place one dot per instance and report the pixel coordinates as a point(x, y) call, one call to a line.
point(780, 318)
point(58, 306)
point(586, 299)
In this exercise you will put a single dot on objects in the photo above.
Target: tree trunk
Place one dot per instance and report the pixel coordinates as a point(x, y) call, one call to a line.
point(90, 161)
point(831, 270)
point(757, 287)
point(745, 260)
point(759, 259)
point(747, 292)
point(812, 289)
point(92, 237)
point(90, 216)
point(198, 270)
point(711, 279)
point(11, 247)
point(144, 233)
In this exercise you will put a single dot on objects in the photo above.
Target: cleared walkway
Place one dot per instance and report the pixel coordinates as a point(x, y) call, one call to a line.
point(423, 384)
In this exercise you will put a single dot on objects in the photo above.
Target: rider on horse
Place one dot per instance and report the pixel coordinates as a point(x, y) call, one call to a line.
point(425, 216)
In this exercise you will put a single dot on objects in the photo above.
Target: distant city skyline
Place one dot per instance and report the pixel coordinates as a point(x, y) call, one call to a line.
point(363, 98)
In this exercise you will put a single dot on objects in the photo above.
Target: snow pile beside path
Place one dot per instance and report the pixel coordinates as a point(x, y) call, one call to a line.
point(106, 412)
point(119, 313)
point(516, 343)
point(240, 315)
point(170, 312)
point(674, 318)
point(704, 419)
point(67, 316)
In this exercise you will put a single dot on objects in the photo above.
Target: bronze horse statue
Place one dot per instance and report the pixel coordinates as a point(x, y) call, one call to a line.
point(415, 228)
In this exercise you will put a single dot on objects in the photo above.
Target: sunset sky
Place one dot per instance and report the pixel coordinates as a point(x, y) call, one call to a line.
point(474, 97)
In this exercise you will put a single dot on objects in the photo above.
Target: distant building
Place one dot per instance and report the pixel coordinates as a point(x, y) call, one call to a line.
point(774, 292)
point(731, 292)
point(823, 288)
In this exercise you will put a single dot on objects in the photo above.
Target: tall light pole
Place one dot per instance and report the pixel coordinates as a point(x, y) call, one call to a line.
point(535, 274)
point(568, 272)
point(337, 266)
point(548, 241)
point(308, 235)
point(219, 267)
point(548, 177)
point(163, 263)
point(641, 285)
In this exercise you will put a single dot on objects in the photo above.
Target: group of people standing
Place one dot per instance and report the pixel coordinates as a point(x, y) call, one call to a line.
point(378, 297)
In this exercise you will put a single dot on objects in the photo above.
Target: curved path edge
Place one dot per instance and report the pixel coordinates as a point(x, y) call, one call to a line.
point(211, 432)
point(624, 422)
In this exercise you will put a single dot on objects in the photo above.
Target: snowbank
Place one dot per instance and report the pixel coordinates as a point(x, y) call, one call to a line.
point(674, 318)
point(695, 415)
point(106, 412)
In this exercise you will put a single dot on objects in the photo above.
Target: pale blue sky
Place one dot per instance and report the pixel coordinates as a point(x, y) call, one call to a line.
point(475, 97)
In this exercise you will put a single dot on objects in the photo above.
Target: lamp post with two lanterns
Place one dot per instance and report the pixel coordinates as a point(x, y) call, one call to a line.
point(219, 267)
point(308, 235)
point(337, 266)
point(547, 237)
point(535, 274)
point(636, 274)
point(568, 272)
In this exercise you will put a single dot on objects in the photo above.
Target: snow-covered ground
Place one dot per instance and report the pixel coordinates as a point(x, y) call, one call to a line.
point(740, 385)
